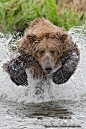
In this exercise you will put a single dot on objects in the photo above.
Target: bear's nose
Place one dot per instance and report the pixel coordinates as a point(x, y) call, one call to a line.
point(48, 69)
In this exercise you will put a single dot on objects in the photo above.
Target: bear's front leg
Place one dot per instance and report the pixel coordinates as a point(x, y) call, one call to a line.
point(16, 72)
point(69, 59)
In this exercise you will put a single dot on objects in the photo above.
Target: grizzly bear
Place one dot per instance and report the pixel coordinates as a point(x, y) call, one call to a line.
point(45, 50)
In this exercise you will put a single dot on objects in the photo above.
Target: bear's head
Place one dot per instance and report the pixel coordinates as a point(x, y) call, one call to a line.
point(47, 52)
point(47, 49)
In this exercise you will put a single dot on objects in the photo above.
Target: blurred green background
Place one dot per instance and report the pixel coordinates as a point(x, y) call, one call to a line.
point(15, 15)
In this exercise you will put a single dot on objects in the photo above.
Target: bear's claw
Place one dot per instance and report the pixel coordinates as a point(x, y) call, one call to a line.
point(17, 74)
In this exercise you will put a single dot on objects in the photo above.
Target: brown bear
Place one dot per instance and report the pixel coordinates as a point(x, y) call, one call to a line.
point(46, 50)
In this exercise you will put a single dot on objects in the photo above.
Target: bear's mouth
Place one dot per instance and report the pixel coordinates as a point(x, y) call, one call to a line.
point(48, 69)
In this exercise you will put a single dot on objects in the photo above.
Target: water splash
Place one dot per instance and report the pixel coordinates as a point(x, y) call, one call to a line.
point(75, 88)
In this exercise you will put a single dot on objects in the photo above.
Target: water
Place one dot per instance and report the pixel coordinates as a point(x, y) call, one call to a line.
point(43, 106)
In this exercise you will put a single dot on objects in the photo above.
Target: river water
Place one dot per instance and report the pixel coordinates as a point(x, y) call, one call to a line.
point(43, 106)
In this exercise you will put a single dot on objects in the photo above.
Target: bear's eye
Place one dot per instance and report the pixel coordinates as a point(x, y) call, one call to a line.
point(53, 52)
point(41, 52)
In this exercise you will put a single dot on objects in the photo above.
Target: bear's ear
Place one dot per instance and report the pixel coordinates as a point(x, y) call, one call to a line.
point(63, 37)
point(31, 37)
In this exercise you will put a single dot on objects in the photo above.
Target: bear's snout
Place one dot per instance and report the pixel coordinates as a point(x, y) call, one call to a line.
point(47, 63)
